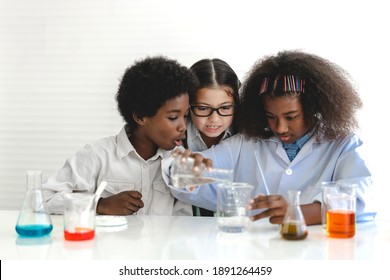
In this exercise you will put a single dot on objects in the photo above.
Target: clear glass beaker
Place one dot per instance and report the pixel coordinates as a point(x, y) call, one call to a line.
point(339, 202)
point(294, 225)
point(33, 220)
point(183, 174)
point(232, 203)
point(79, 216)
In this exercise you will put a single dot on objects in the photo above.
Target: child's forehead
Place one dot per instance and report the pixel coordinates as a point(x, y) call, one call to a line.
point(286, 103)
point(177, 103)
point(213, 93)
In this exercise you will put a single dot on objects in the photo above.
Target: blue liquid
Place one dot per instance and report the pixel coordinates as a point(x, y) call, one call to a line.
point(33, 230)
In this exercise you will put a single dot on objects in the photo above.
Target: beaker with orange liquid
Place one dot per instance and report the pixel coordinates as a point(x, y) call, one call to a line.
point(340, 202)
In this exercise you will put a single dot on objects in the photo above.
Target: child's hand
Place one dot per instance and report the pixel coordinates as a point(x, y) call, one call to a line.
point(198, 158)
point(124, 203)
point(275, 205)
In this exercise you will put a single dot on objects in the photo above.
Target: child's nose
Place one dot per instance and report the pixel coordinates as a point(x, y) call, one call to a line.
point(182, 126)
point(281, 126)
point(214, 115)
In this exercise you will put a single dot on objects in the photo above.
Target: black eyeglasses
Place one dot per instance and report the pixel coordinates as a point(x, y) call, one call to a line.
point(205, 111)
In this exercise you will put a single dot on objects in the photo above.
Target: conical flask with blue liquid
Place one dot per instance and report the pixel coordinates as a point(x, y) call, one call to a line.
point(33, 220)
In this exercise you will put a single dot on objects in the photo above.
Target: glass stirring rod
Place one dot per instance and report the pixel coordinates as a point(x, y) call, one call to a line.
point(261, 171)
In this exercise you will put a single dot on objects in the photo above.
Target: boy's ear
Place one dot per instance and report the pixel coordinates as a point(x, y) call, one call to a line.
point(139, 120)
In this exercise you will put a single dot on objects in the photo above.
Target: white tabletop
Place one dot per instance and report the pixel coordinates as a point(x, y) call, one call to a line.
point(190, 238)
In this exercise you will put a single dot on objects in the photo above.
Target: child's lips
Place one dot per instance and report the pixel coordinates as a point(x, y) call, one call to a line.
point(213, 128)
point(284, 138)
point(178, 142)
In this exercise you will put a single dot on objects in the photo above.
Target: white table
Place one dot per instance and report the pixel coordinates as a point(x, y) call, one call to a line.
point(190, 238)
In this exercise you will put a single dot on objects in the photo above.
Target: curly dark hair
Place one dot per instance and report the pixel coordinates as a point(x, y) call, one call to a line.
point(149, 84)
point(329, 99)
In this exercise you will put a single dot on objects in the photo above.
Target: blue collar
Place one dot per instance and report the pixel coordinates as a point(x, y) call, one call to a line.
point(300, 142)
point(293, 148)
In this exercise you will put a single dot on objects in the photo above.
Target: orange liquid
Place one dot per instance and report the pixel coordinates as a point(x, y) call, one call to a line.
point(340, 223)
point(80, 234)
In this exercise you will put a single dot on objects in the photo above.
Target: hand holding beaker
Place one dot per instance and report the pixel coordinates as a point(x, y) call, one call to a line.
point(185, 174)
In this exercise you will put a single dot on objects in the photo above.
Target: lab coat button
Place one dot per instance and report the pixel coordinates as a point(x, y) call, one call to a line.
point(288, 171)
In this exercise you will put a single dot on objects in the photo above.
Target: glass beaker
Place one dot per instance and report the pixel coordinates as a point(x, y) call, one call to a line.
point(183, 174)
point(232, 203)
point(33, 220)
point(79, 216)
point(294, 225)
point(340, 205)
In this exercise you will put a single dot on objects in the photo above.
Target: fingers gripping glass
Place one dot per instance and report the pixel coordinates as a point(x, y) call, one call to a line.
point(206, 111)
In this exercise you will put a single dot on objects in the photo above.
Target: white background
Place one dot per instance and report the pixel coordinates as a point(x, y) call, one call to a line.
point(61, 62)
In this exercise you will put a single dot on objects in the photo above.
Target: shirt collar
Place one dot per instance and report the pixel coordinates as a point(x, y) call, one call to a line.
point(194, 136)
point(125, 147)
point(299, 142)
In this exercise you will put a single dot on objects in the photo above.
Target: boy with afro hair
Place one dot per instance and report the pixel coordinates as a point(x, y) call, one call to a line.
point(153, 101)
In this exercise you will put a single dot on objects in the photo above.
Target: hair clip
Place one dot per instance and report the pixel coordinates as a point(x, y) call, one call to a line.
point(294, 83)
point(264, 85)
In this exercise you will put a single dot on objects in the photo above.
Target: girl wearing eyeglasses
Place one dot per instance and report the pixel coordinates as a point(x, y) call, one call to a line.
point(296, 127)
point(214, 104)
point(213, 107)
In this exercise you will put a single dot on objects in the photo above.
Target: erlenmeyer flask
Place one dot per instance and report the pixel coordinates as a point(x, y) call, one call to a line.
point(33, 220)
point(294, 225)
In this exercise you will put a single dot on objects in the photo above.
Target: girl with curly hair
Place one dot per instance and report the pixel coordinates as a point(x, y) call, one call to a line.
point(298, 115)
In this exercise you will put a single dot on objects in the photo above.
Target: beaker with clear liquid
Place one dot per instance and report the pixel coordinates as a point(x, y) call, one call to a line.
point(183, 174)
point(232, 203)
point(33, 219)
point(294, 225)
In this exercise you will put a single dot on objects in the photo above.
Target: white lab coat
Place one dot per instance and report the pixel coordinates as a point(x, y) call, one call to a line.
point(316, 162)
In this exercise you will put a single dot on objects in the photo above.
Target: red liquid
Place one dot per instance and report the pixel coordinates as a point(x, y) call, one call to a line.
point(79, 234)
point(340, 223)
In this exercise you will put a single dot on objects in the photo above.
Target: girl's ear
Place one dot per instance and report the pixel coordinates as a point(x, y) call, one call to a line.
point(139, 120)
